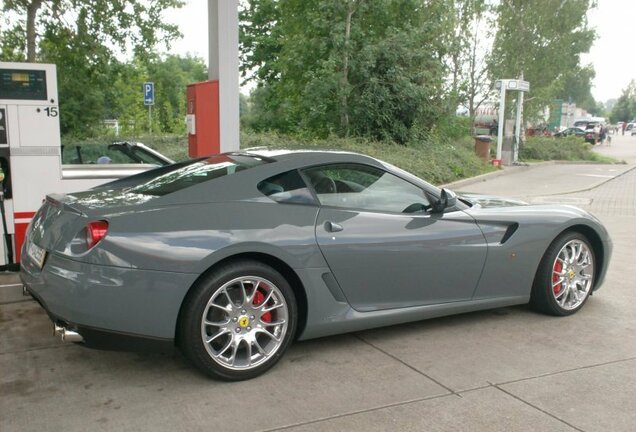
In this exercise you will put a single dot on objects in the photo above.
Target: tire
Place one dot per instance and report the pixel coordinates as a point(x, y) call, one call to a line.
point(565, 277)
point(237, 322)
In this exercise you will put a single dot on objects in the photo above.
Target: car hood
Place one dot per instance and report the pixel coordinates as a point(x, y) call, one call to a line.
point(490, 201)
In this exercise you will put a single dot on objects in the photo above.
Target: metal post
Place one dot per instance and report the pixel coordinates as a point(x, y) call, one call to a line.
point(502, 109)
point(150, 119)
point(223, 49)
point(515, 149)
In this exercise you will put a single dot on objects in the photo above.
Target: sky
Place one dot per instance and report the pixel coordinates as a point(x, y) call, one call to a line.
point(612, 55)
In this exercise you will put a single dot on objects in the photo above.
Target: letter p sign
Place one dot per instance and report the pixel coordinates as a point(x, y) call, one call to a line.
point(149, 93)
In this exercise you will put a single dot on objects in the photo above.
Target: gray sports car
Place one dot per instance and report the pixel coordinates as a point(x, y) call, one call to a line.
point(231, 257)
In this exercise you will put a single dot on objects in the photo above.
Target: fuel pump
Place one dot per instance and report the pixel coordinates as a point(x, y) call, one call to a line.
point(10, 265)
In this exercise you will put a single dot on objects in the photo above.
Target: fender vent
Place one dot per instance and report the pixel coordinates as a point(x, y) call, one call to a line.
point(509, 232)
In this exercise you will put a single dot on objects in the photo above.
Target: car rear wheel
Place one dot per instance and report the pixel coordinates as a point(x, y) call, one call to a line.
point(565, 277)
point(238, 321)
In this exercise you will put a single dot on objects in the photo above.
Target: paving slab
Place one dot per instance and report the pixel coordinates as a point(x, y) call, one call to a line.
point(473, 350)
point(487, 409)
point(598, 398)
point(73, 388)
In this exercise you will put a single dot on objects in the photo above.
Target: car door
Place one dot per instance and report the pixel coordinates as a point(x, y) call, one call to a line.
point(384, 247)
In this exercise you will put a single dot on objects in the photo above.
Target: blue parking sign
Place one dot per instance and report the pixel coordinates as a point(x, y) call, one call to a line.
point(149, 93)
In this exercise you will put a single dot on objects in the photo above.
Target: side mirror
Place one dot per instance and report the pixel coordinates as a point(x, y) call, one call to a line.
point(447, 199)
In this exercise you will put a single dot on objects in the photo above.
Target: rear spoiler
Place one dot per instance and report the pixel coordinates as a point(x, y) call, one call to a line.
point(58, 200)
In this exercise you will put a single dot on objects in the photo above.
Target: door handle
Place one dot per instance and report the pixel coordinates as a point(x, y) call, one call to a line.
point(333, 227)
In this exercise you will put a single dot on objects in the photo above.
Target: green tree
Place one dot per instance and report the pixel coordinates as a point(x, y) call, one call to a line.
point(469, 46)
point(171, 76)
point(625, 107)
point(369, 68)
point(577, 86)
point(83, 38)
point(116, 23)
point(260, 39)
point(541, 40)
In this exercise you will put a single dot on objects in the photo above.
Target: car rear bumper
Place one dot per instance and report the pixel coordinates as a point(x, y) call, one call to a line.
point(104, 339)
point(107, 301)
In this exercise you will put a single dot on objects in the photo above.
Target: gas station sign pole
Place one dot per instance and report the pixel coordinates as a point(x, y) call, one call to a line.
point(513, 85)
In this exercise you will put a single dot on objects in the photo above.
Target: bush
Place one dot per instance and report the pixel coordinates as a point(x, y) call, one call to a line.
point(566, 148)
point(435, 160)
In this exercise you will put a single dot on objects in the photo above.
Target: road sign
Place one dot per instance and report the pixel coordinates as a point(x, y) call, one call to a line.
point(149, 93)
point(513, 84)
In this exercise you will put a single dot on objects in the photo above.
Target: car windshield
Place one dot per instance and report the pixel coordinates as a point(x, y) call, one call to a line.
point(195, 172)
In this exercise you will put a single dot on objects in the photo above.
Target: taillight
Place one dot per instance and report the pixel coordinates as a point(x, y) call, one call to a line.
point(95, 231)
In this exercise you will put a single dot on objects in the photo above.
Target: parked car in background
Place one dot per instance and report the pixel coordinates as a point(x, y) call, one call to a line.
point(123, 152)
point(592, 132)
point(576, 131)
point(581, 123)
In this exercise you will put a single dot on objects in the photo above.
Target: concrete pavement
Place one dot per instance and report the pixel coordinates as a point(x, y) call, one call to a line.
point(508, 369)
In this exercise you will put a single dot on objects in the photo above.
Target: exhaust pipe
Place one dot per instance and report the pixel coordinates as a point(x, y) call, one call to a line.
point(67, 335)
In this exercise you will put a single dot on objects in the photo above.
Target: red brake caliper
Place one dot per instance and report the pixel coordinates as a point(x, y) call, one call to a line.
point(556, 271)
point(259, 297)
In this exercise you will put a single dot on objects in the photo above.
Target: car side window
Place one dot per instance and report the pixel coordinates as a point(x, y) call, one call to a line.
point(288, 187)
point(365, 187)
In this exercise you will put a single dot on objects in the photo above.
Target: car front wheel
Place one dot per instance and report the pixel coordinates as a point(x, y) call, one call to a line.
point(565, 277)
point(238, 321)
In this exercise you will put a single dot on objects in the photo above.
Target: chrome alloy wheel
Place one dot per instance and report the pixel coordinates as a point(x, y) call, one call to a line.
point(572, 274)
point(244, 322)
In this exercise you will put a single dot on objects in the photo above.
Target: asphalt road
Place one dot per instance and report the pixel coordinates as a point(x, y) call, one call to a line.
point(507, 369)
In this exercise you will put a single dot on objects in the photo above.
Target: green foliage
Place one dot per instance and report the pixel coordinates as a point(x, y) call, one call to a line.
point(134, 24)
point(625, 108)
point(566, 149)
point(453, 127)
point(344, 67)
point(468, 45)
point(542, 39)
point(82, 38)
point(171, 76)
point(577, 85)
point(436, 161)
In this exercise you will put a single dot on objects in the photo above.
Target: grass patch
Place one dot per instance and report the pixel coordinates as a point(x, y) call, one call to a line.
point(436, 162)
point(565, 149)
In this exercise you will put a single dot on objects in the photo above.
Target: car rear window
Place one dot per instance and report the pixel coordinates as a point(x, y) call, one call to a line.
point(287, 187)
point(197, 171)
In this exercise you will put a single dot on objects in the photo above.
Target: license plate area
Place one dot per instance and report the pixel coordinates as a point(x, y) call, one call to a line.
point(37, 254)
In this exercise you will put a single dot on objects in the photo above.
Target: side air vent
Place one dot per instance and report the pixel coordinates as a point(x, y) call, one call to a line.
point(509, 232)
